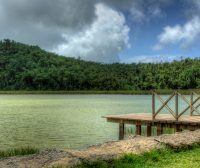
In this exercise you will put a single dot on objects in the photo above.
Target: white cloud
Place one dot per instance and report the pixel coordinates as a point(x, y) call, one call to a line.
point(137, 14)
point(102, 41)
point(179, 34)
point(145, 10)
point(153, 58)
point(156, 12)
point(196, 3)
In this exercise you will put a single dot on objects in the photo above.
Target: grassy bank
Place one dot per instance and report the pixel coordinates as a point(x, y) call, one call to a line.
point(166, 158)
point(125, 92)
point(18, 152)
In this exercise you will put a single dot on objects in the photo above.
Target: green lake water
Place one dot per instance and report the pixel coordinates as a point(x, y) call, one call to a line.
point(63, 121)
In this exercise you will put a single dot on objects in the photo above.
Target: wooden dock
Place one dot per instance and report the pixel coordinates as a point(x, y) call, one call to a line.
point(177, 120)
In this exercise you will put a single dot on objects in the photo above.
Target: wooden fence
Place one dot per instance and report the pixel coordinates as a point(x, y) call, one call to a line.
point(175, 113)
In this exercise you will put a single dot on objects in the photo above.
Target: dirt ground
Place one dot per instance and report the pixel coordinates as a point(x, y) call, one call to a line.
point(106, 151)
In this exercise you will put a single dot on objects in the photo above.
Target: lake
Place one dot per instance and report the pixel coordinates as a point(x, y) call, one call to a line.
point(63, 121)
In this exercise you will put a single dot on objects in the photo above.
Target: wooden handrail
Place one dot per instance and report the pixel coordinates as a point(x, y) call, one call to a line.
point(165, 104)
point(193, 108)
point(187, 108)
point(175, 113)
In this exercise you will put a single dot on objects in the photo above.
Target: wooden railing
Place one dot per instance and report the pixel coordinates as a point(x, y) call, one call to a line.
point(191, 104)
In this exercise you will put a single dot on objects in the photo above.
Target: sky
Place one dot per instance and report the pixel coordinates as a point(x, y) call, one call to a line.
point(106, 31)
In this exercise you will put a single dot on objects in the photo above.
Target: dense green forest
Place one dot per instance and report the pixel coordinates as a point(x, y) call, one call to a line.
point(24, 67)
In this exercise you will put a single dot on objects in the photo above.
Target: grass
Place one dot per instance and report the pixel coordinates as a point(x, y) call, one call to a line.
point(165, 158)
point(126, 92)
point(18, 152)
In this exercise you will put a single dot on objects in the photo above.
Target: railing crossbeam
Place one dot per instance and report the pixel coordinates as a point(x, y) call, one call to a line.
point(176, 114)
point(164, 104)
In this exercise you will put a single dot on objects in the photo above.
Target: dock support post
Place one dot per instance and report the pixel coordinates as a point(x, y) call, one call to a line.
point(148, 130)
point(159, 129)
point(121, 131)
point(178, 128)
point(138, 129)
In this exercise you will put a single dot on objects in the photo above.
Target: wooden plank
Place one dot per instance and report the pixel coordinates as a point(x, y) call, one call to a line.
point(176, 120)
point(146, 119)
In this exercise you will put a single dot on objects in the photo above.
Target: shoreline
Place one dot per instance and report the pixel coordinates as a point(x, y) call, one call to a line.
point(96, 92)
point(137, 145)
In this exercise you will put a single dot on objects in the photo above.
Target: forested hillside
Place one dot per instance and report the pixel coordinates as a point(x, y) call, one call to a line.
point(24, 67)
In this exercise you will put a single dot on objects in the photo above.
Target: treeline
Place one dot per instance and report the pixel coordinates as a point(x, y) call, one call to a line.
point(24, 67)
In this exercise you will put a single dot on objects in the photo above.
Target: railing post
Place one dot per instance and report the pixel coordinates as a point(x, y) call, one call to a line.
point(176, 104)
point(191, 103)
point(153, 105)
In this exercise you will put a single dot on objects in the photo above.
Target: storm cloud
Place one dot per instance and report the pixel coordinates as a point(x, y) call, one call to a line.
point(43, 22)
point(91, 29)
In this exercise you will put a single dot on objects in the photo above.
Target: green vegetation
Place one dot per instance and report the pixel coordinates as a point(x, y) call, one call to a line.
point(126, 92)
point(18, 152)
point(24, 67)
point(166, 158)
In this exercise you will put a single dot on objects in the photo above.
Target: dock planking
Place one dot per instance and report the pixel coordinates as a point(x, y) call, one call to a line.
point(176, 120)
point(146, 118)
